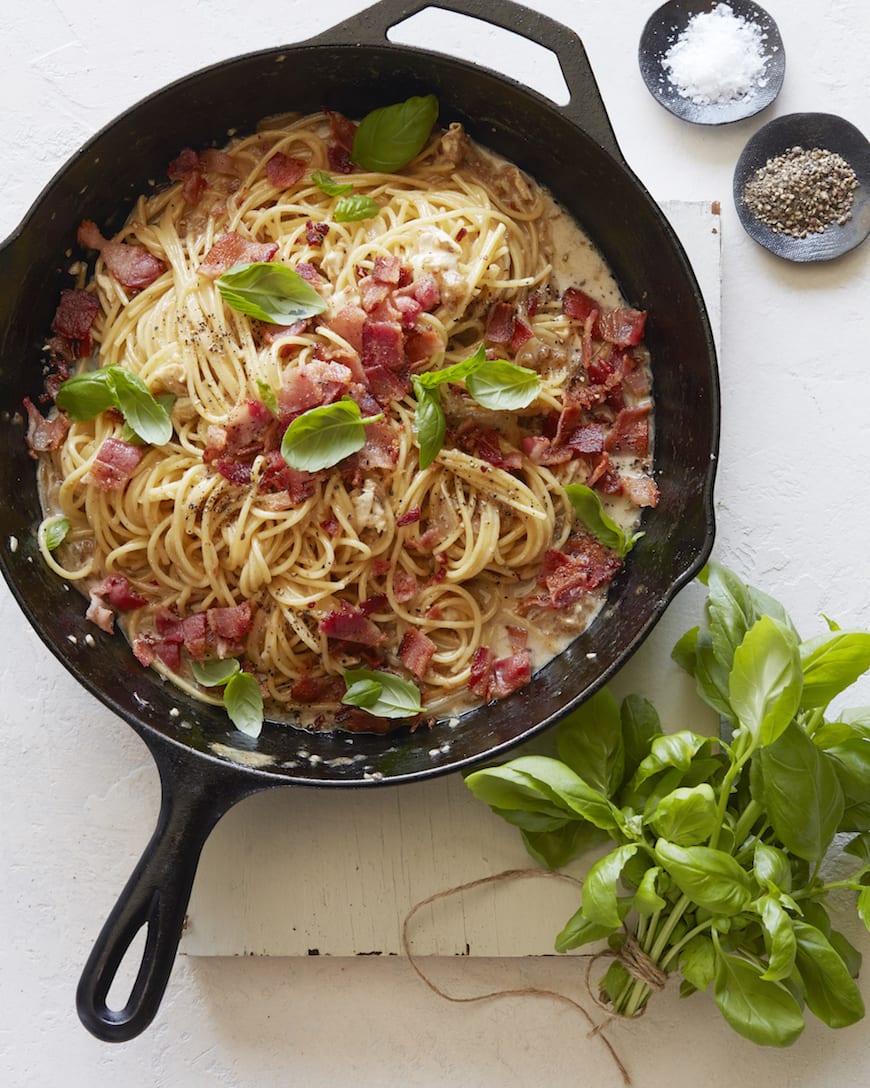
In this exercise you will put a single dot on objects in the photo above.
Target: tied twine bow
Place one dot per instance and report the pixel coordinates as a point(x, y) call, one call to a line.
point(632, 957)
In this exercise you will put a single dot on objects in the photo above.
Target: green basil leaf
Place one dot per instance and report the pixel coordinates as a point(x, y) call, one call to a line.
point(685, 651)
point(847, 952)
point(87, 394)
point(600, 901)
point(388, 138)
point(771, 868)
point(711, 677)
point(244, 703)
point(765, 684)
point(55, 531)
point(589, 508)
point(779, 939)
point(762, 1011)
point(505, 789)
point(554, 849)
point(851, 762)
point(268, 396)
point(669, 750)
point(458, 372)
point(215, 672)
point(640, 726)
point(864, 906)
point(712, 878)
point(321, 437)
point(396, 697)
point(503, 386)
point(353, 209)
point(166, 401)
point(143, 413)
point(578, 930)
point(535, 822)
point(831, 663)
point(687, 817)
point(647, 900)
point(329, 185)
point(830, 991)
point(566, 789)
point(801, 792)
point(429, 423)
point(269, 292)
point(731, 612)
point(589, 741)
point(698, 961)
point(859, 847)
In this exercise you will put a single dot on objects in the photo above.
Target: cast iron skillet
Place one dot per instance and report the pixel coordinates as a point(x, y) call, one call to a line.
point(205, 765)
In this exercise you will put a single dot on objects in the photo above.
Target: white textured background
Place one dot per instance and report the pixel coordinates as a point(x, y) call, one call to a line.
point(78, 794)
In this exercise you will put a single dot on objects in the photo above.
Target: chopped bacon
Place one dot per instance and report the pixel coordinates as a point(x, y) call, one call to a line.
point(248, 425)
point(348, 324)
point(382, 345)
point(540, 450)
point(310, 273)
point(170, 627)
point(569, 417)
point(114, 464)
point(481, 671)
point(343, 130)
point(278, 476)
point(318, 689)
point(184, 165)
point(410, 309)
point(509, 674)
point(299, 391)
point(120, 594)
point(43, 434)
point(404, 585)
point(237, 472)
point(589, 438)
point(351, 625)
point(421, 346)
point(230, 622)
point(170, 654)
point(218, 162)
point(426, 291)
point(231, 249)
point(315, 232)
point(387, 270)
point(381, 449)
point(583, 566)
point(131, 265)
point(356, 720)
point(195, 634)
point(416, 651)
point(283, 170)
point(99, 614)
point(500, 323)
point(331, 525)
point(623, 327)
point(630, 431)
point(487, 446)
point(409, 517)
point(373, 293)
point(386, 385)
point(193, 188)
point(271, 334)
point(74, 318)
point(578, 305)
point(641, 490)
point(522, 334)
point(518, 638)
point(378, 602)
point(339, 159)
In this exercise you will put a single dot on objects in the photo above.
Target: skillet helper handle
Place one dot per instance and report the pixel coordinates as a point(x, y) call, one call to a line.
point(585, 107)
point(156, 896)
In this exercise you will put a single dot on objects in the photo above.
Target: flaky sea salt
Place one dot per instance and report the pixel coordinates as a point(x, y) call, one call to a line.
point(720, 57)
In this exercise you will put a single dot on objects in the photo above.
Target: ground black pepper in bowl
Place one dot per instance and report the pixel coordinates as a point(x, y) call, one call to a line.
point(802, 187)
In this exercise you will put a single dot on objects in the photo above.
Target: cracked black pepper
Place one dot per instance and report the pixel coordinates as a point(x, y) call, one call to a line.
point(802, 191)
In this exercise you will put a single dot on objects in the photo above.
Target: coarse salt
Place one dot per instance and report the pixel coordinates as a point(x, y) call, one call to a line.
point(720, 57)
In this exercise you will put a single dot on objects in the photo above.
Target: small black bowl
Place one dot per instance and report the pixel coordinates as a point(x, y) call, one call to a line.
point(807, 130)
point(662, 30)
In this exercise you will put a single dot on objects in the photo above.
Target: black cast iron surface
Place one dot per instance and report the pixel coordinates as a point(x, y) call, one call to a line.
point(206, 765)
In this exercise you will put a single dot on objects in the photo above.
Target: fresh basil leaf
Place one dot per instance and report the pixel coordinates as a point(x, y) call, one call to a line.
point(143, 413)
point(395, 697)
point(429, 422)
point(831, 993)
point(269, 292)
point(353, 209)
point(779, 938)
point(851, 762)
point(458, 372)
point(600, 901)
point(535, 822)
point(166, 401)
point(215, 672)
point(589, 508)
point(505, 789)
point(578, 930)
point(731, 612)
point(268, 396)
point(771, 868)
point(244, 703)
point(864, 907)
point(554, 849)
point(711, 677)
point(698, 961)
point(566, 789)
point(640, 726)
point(329, 185)
point(503, 386)
point(55, 532)
point(388, 138)
point(712, 878)
point(687, 817)
point(669, 750)
point(801, 792)
point(87, 394)
point(589, 741)
point(762, 1011)
point(323, 436)
point(831, 663)
point(859, 847)
point(765, 684)
point(647, 900)
point(685, 651)
point(847, 952)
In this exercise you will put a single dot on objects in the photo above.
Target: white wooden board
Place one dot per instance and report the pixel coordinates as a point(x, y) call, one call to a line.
point(303, 872)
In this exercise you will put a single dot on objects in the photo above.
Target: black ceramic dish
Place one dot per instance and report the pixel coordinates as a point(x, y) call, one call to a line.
point(205, 765)
point(807, 130)
point(665, 26)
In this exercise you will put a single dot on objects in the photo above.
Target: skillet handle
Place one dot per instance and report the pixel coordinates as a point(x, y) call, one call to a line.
point(156, 897)
point(585, 107)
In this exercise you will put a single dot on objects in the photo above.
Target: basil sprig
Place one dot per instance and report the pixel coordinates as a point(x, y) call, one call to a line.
point(493, 383)
point(715, 867)
point(269, 292)
point(388, 138)
point(381, 693)
point(352, 209)
point(327, 184)
point(243, 699)
point(55, 532)
point(321, 437)
point(589, 508)
point(87, 394)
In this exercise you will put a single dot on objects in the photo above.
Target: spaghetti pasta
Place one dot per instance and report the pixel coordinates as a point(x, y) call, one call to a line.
point(435, 571)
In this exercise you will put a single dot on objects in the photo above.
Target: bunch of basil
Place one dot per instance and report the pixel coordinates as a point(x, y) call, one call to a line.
point(720, 842)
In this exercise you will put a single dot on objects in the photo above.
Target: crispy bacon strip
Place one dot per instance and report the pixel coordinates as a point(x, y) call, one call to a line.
point(131, 265)
point(230, 249)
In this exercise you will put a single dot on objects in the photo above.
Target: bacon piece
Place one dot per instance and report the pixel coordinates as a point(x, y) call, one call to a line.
point(342, 129)
point(193, 188)
point(381, 449)
point(218, 162)
point(522, 334)
point(481, 671)
point(378, 602)
point(373, 293)
point(246, 430)
point(131, 265)
point(318, 689)
point(74, 318)
point(351, 625)
point(98, 613)
point(231, 249)
point(500, 323)
point(386, 385)
point(231, 622)
point(120, 594)
point(271, 334)
point(237, 472)
point(382, 345)
point(421, 346)
point(518, 638)
point(416, 651)
point(623, 327)
point(568, 419)
point(409, 517)
point(184, 165)
point(630, 432)
point(487, 446)
point(409, 309)
point(114, 464)
point(509, 674)
point(641, 490)
point(426, 291)
point(348, 324)
point(339, 160)
point(589, 438)
point(540, 450)
point(43, 434)
point(283, 170)
point(310, 274)
point(170, 654)
point(584, 565)
point(387, 270)
point(578, 305)
point(278, 477)
point(404, 585)
point(315, 232)
point(194, 631)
